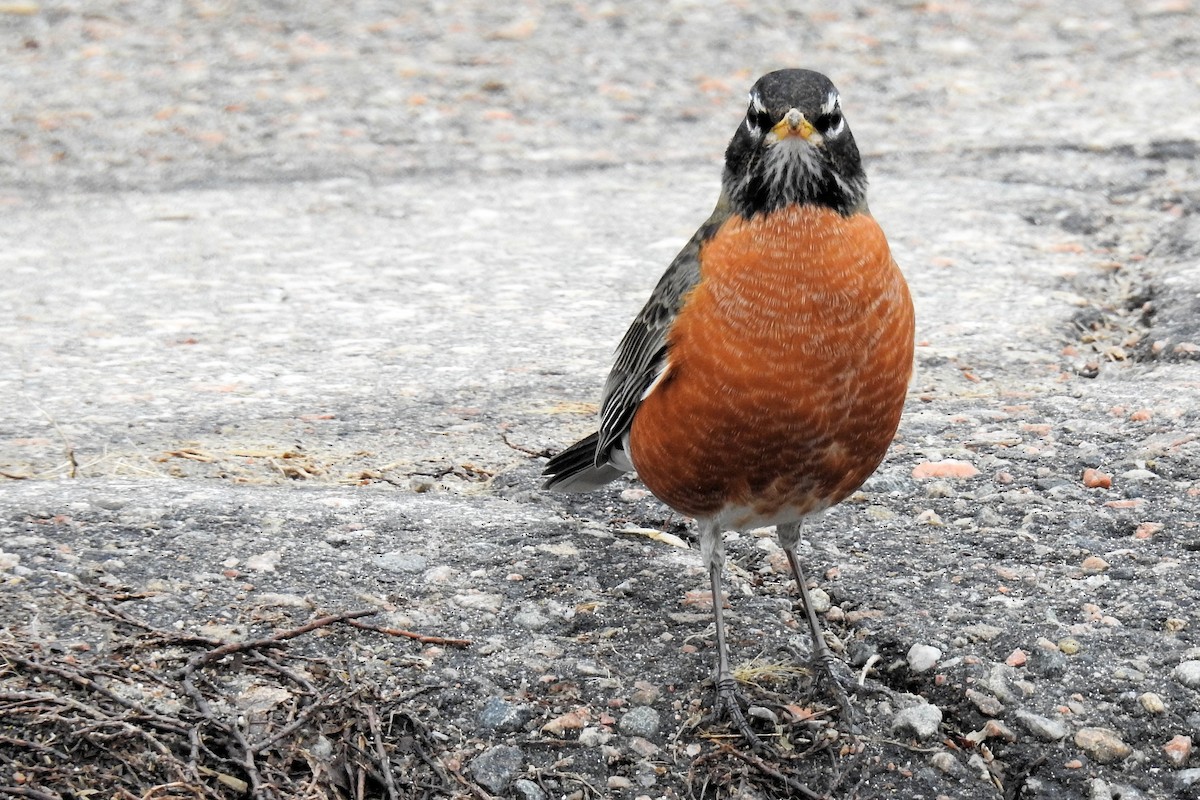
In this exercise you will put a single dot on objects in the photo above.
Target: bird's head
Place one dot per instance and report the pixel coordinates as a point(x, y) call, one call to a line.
point(794, 147)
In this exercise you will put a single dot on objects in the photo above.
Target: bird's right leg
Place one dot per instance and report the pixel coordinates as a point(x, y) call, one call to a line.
point(712, 551)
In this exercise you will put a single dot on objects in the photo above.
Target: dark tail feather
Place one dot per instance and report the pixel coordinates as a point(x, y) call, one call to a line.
point(575, 470)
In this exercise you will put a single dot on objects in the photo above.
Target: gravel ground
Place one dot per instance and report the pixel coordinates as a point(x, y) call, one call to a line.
point(298, 299)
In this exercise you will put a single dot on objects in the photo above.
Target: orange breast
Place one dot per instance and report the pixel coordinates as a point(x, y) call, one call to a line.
point(788, 367)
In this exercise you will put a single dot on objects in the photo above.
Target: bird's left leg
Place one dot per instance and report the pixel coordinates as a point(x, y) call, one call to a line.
point(789, 537)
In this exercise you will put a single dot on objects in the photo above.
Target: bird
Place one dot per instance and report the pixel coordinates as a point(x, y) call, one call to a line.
point(764, 379)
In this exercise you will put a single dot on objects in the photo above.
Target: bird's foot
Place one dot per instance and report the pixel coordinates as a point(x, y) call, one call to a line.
point(728, 706)
point(834, 678)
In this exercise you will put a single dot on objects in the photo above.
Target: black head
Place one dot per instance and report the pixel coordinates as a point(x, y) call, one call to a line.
point(794, 147)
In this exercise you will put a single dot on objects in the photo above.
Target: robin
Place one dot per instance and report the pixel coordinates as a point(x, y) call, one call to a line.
point(764, 379)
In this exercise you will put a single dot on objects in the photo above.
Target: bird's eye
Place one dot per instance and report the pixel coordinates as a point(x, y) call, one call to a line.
point(757, 120)
point(831, 122)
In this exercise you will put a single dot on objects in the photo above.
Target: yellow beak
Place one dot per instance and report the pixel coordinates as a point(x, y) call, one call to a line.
point(793, 124)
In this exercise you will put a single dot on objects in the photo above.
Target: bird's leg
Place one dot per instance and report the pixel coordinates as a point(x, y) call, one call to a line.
point(789, 537)
point(712, 550)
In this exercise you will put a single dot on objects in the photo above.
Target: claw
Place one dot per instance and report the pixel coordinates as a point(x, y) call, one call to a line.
point(729, 705)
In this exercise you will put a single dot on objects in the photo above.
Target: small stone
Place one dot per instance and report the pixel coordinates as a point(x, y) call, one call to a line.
point(1188, 673)
point(496, 767)
point(939, 489)
point(945, 469)
point(1095, 479)
point(1044, 728)
point(619, 782)
point(1017, 658)
point(987, 705)
point(1094, 564)
point(1099, 790)
point(995, 729)
point(1069, 646)
point(929, 517)
point(1002, 682)
point(526, 789)
point(1147, 529)
point(640, 721)
point(531, 619)
point(571, 721)
point(1152, 703)
point(820, 600)
point(923, 657)
point(643, 747)
point(264, 562)
point(1186, 779)
point(1102, 745)
point(644, 693)
point(920, 721)
point(500, 715)
point(1178, 751)
point(439, 574)
point(945, 762)
point(594, 737)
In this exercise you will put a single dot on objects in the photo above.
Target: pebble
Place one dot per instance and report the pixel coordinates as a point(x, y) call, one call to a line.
point(594, 737)
point(571, 721)
point(439, 574)
point(1102, 745)
point(500, 715)
point(1178, 751)
point(264, 562)
point(1044, 728)
point(643, 747)
point(820, 600)
point(993, 729)
point(1000, 681)
point(644, 693)
point(1069, 646)
point(944, 469)
point(1094, 564)
point(496, 767)
point(1188, 673)
point(619, 782)
point(1099, 790)
point(640, 721)
point(987, 705)
point(525, 789)
point(1017, 658)
point(531, 619)
point(1152, 703)
point(1186, 779)
point(1095, 479)
point(946, 763)
point(923, 657)
point(920, 721)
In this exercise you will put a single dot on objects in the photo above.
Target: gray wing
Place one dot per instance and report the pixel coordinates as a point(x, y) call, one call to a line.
point(642, 353)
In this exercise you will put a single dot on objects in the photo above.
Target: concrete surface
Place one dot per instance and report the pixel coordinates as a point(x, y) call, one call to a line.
point(245, 248)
